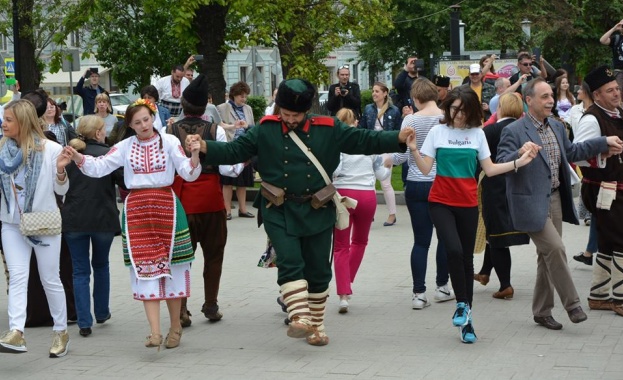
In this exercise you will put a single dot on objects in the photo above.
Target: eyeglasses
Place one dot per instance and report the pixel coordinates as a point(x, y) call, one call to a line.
point(526, 64)
point(344, 67)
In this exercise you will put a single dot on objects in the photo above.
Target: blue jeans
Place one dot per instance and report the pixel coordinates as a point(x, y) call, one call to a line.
point(416, 196)
point(79, 244)
point(591, 246)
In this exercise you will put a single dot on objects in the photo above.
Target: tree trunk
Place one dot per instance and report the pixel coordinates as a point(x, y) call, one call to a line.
point(210, 22)
point(30, 77)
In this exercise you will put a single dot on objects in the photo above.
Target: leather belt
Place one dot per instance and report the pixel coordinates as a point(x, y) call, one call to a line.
point(298, 198)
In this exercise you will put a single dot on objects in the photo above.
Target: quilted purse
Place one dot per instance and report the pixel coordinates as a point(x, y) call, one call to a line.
point(40, 223)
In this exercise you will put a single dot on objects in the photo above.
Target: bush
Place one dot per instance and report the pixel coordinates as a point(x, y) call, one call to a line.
point(366, 98)
point(258, 105)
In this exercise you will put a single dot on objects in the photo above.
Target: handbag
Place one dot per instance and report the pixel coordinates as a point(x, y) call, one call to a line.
point(39, 223)
point(342, 204)
point(268, 259)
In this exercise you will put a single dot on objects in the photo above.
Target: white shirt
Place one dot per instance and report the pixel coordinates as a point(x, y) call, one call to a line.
point(145, 165)
point(588, 128)
point(163, 85)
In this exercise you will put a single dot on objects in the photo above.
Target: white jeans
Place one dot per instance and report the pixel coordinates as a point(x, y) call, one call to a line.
point(17, 253)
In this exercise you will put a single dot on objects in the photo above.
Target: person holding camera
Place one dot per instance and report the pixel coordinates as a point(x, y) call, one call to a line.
point(89, 91)
point(344, 94)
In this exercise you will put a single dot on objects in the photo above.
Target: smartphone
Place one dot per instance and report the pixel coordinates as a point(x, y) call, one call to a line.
point(198, 57)
point(537, 54)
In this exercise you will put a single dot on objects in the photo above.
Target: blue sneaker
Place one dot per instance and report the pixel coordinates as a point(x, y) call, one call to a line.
point(467, 333)
point(462, 314)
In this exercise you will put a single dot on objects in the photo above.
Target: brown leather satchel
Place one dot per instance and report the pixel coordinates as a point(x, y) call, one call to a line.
point(272, 193)
point(323, 196)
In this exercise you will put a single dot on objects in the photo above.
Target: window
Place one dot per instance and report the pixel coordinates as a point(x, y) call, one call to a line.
point(243, 74)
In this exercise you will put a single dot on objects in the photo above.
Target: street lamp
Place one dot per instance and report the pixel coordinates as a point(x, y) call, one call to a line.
point(525, 27)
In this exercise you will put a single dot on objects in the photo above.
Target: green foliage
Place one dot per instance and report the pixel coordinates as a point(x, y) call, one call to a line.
point(137, 40)
point(366, 98)
point(418, 26)
point(258, 105)
point(306, 32)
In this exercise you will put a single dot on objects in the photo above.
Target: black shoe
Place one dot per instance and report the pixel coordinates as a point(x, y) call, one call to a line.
point(86, 331)
point(583, 259)
point(548, 322)
point(245, 215)
point(577, 315)
point(284, 308)
point(100, 321)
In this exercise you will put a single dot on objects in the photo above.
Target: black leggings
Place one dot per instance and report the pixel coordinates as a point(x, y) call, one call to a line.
point(500, 260)
point(456, 228)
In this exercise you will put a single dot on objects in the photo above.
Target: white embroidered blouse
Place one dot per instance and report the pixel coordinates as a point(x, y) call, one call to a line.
point(145, 164)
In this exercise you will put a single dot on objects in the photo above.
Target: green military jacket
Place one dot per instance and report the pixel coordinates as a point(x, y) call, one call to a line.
point(281, 163)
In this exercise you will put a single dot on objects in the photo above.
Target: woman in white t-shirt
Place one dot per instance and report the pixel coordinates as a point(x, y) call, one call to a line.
point(457, 146)
point(354, 177)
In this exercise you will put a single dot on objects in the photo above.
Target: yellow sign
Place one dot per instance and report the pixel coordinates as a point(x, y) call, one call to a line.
point(9, 67)
point(458, 70)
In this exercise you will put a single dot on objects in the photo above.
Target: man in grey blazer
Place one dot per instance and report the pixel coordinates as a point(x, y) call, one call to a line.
point(539, 196)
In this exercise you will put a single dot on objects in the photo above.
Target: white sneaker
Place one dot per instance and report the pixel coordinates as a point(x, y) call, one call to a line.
point(420, 301)
point(343, 306)
point(443, 293)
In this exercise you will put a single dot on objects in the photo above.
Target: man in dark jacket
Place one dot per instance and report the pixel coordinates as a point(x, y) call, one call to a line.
point(89, 91)
point(344, 94)
point(403, 83)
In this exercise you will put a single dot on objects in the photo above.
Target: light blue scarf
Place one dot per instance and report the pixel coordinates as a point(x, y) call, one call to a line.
point(11, 160)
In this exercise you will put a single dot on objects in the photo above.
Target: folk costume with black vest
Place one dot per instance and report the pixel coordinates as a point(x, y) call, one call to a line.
point(203, 199)
point(300, 234)
point(601, 175)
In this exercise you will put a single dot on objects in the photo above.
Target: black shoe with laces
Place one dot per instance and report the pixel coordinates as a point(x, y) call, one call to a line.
point(85, 331)
point(583, 259)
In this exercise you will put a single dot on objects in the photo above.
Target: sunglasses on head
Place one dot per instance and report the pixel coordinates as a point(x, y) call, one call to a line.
point(344, 67)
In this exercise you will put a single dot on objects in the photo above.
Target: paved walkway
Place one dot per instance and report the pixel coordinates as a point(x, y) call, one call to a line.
point(380, 338)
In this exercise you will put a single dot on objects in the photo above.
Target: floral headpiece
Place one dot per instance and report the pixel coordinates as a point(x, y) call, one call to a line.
point(147, 103)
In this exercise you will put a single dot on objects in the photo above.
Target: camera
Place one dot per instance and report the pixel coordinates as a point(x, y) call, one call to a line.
point(343, 90)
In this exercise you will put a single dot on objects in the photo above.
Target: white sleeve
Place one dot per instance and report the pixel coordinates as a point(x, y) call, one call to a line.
point(588, 128)
point(98, 167)
point(56, 150)
point(181, 162)
point(483, 148)
point(428, 147)
point(227, 170)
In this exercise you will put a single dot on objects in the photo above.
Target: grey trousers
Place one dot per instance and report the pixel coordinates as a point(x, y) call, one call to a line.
point(552, 269)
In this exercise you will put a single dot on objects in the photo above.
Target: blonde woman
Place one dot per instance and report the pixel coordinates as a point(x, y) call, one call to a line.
point(89, 231)
point(103, 109)
point(383, 116)
point(32, 170)
point(354, 177)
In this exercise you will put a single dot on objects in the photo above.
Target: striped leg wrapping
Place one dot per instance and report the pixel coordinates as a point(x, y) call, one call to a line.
point(295, 297)
point(602, 277)
point(317, 304)
point(617, 276)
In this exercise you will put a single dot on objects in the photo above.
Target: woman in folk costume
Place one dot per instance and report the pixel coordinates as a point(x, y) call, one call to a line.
point(155, 237)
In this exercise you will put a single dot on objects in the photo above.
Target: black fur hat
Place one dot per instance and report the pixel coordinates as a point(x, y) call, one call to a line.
point(295, 95)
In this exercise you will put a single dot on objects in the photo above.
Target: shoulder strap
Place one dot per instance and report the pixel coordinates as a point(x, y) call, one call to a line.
point(15, 194)
point(309, 155)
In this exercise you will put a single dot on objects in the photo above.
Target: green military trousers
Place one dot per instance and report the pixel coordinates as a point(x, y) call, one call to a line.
point(302, 257)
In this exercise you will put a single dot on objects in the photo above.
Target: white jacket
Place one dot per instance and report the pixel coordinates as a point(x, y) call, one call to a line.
point(47, 185)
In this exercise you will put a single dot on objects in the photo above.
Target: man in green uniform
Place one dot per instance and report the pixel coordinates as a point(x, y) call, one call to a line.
point(300, 233)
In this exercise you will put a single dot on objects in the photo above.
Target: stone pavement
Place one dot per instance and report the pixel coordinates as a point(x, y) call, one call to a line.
point(381, 337)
